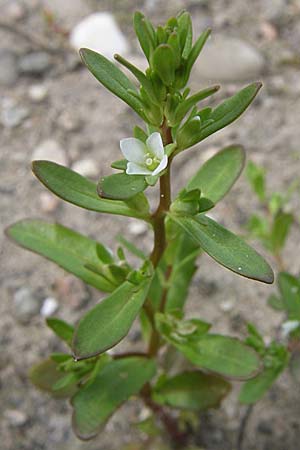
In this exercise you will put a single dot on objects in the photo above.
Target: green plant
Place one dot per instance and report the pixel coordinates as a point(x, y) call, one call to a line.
point(99, 382)
point(272, 226)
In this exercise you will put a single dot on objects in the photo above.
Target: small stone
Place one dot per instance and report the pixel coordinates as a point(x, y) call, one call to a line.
point(38, 93)
point(50, 305)
point(36, 63)
point(137, 228)
point(227, 305)
point(268, 31)
point(8, 68)
point(12, 115)
point(99, 32)
point(274, 10)
point(229, 59)
point(26, 305)
point(86, 168)
point(50, 150)
point(48, 202)
point(14, 11)
point(15, 417)
point(68, 122)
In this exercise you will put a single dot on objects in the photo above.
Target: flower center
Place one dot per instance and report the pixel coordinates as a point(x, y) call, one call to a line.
point(151, 161)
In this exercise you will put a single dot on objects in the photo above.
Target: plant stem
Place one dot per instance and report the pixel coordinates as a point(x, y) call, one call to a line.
point(159, 229)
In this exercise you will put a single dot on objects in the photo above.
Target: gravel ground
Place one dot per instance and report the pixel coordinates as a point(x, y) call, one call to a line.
point(60, 108)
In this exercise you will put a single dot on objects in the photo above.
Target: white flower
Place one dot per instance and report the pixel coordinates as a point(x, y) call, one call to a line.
point(144, 159)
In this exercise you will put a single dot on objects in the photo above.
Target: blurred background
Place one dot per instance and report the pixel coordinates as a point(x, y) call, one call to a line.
point(52, 108)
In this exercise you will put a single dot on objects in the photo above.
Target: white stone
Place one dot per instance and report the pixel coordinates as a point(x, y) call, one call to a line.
point(26, 305)
point(99, 32)
point(137, 228)
point(38, 92)
point(227, 305)
point(86, 168)
point(50, 150)
point(49, 307)
point(15, 417)
point(229, 59)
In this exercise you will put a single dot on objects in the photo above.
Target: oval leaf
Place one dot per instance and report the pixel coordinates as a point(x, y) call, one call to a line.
point(67, 248)
point(80, 191)
point(46, 375)
point(61, 328)
point(225, 247)
point(112, 78)
point(191, 390)
point(121, 186)
point(223, 355)
point(116, 383)
point(109, 321)
point(217, 175)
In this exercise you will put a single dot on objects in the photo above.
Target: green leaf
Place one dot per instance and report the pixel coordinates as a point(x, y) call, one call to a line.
point(223, 355)
point(140, 76)
point(280, 230)
point(191, 390)
point(82, 192)
point(224, 114)
point(185, 31)
point(46, 374)
point(191, 101)
point(117, 382)
point(120, 164)
point(217, 175)
point(109, 322)
point(121, 186)
point(143, 34)
point(140, 134)
point(112, 78)
point(163, 63)
point(276, 361)
point(61, 328)
point(183, 269)
point(195, 52)
point(67, 248)
point(289, 287)
point(225, 247)
point(257, 178)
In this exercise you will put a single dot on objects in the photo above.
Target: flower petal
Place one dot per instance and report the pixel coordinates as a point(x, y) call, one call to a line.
point(155, 145)
point(133, 149)
point(137, 169)
point(163, 164)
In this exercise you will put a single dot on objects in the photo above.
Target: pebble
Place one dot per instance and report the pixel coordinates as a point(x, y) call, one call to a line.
point(26, 305)
point(50, 305)
point(227, 305)
point(99, 32)
point(38, 93)
point(69, 122)
point(15, 417)
point(12, 115)
point(229, 59)
point(48, 202)
point(268, 31)
point(50, 150)
point(72, 291)
point(137, 228)
point(35, 63)
point(8, 68)
point(86, 168)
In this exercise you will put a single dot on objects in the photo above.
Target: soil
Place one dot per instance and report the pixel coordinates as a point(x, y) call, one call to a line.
point(88, 122)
